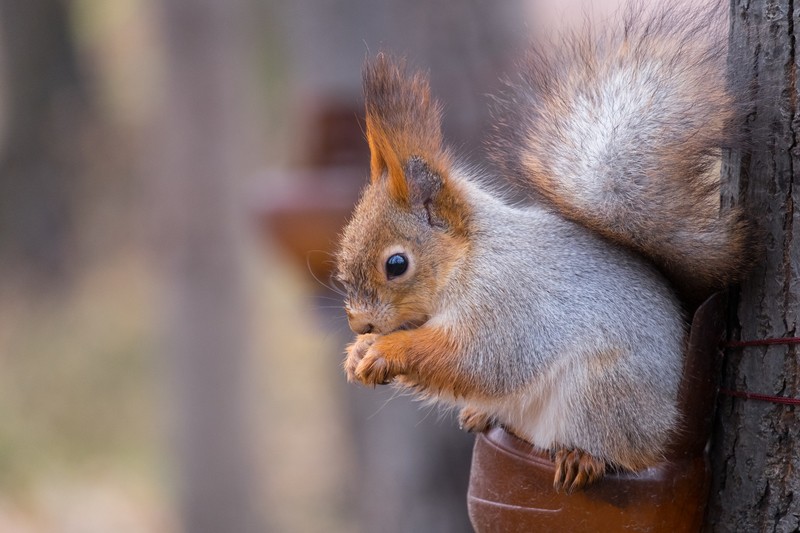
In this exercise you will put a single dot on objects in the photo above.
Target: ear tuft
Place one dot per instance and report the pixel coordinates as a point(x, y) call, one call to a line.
point(403, 122)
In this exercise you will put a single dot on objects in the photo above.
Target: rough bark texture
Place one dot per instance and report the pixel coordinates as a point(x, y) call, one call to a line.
point(756, 456)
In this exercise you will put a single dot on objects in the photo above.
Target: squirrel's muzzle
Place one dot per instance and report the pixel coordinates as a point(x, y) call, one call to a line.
point(359, 322)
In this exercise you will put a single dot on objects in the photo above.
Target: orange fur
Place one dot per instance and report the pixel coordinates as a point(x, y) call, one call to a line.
point(474, 420)
point(426, 357)
point(576, 469)
point(403, 121)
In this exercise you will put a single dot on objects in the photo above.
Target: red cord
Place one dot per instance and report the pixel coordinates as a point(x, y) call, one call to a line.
point(761, 342)
point(760, 397)
point(752, 395)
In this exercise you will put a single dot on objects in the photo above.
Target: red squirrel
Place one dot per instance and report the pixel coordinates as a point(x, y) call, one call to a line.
point(559, 319)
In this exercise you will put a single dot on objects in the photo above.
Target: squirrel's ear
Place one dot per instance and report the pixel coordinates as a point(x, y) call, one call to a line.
point(403, 123)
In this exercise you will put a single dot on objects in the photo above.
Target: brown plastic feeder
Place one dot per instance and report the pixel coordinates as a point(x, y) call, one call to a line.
point(511, 483)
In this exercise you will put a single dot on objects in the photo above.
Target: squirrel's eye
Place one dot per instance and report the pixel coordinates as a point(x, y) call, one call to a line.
point(396, 265)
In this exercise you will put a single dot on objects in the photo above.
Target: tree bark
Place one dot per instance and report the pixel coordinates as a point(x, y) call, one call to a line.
point(755, 454)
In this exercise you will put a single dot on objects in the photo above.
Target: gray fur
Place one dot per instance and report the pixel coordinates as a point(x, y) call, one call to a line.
point(557, 294)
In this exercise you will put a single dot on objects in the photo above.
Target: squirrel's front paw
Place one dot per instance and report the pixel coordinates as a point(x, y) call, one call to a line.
point(356, 352)
point(376, 368)
point(576, 469)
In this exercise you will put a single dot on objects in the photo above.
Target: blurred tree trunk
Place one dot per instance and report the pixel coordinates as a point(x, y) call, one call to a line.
point(42, 117)
point(201, 155)
point(756, 459)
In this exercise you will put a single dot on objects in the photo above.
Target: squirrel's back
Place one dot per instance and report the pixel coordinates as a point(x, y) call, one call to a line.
point(621, 128)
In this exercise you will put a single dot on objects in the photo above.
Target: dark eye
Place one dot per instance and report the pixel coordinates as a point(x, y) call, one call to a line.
point(396, 265)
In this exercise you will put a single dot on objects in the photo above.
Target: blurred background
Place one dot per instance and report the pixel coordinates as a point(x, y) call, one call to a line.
point(173, 176)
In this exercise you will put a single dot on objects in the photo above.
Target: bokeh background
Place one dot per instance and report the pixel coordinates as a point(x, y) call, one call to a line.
point(173, 175)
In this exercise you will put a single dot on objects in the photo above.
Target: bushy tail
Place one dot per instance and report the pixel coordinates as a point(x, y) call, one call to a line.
point(621, 129)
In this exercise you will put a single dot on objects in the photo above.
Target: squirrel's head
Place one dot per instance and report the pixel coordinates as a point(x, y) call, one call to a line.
point(410, 229)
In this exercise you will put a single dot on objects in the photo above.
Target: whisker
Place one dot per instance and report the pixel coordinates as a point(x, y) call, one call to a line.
point(395, 393)
point(323, 297)
point(341, 290)
point(431, 408)
point(337, 290)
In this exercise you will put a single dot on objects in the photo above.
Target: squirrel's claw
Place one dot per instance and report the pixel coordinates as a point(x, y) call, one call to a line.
point(368, 362)
point(474, 421)
point(374, 369)
point(355, 353)
point(576, 469)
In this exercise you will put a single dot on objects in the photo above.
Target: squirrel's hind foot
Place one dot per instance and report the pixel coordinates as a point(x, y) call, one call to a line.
point(475, 421)
point(576, 469)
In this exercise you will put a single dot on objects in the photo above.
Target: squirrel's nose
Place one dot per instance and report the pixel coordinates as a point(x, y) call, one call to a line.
point(359, 323)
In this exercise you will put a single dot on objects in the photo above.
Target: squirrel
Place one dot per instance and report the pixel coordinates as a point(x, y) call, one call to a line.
point(563, 319)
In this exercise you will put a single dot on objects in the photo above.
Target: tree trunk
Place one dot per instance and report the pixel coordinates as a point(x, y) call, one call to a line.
point(755, 454)
point(42, 112)
point(200, 158)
